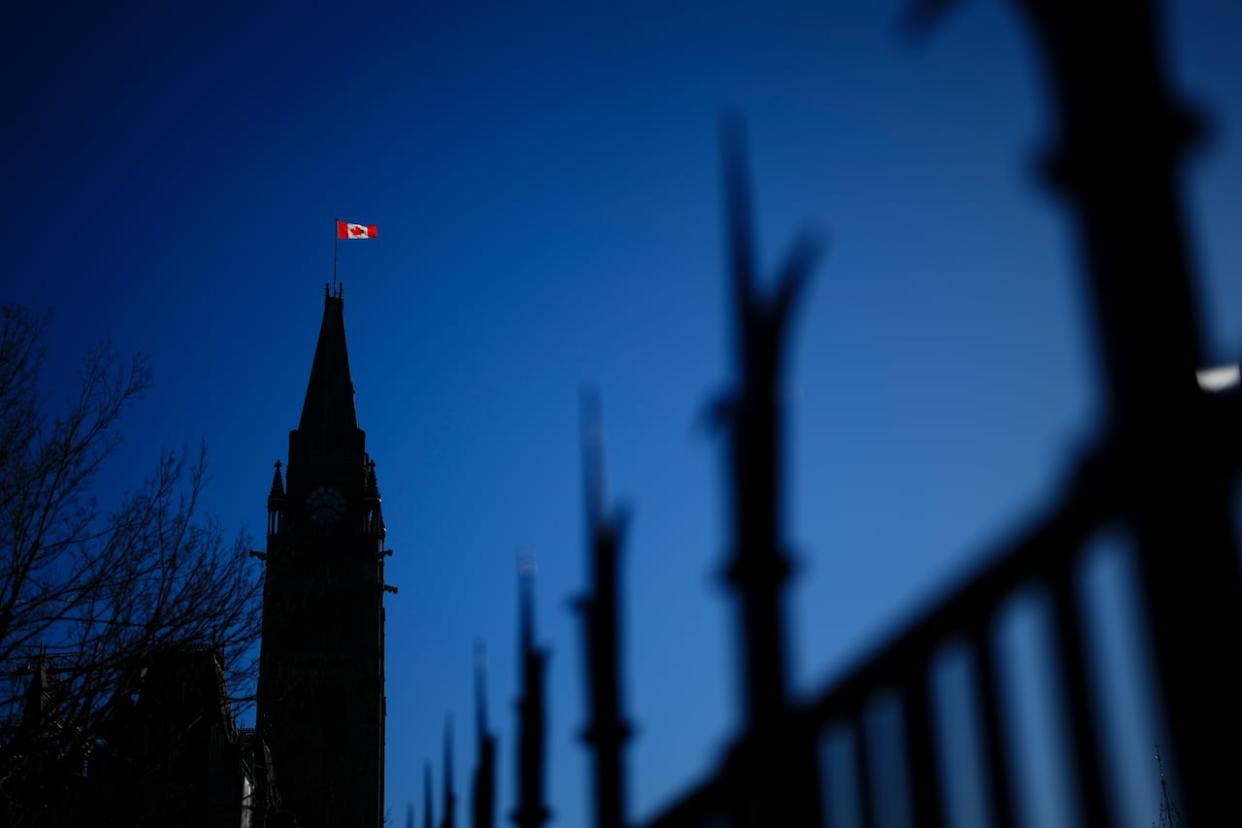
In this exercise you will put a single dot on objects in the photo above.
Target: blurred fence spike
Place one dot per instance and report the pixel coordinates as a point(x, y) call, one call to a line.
point(775, 765)
point(530, 810)
point(483, 785)
point(607, 730)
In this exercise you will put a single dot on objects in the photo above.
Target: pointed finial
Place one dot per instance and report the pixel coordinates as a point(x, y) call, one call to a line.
point(760, 320)
point(278, 486)
point(372, 482)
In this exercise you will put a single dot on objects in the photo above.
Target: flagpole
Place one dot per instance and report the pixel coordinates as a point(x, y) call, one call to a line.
point(336, 246)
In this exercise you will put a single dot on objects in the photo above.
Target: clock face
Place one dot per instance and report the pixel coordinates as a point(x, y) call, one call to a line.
point(325, 506)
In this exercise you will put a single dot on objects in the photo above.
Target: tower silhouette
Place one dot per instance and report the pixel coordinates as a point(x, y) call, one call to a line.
point(321, 704)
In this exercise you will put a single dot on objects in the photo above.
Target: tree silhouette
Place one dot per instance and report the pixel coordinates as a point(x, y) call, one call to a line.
point(87, 598)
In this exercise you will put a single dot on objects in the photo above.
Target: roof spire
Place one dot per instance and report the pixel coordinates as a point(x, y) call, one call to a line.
point(278, 486)
point(372, 483)
point(328, 412)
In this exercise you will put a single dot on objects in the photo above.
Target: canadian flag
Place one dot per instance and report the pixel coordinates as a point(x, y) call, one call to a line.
point(345, 230)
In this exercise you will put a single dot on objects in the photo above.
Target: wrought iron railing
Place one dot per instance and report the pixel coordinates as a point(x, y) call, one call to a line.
point(1166, 473)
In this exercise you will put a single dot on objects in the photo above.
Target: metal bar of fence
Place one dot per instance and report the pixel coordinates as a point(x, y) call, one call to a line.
point(998, 773)
point(922, 767)
point(1099, 491)
point(1090, 780)
point(975, 599)
point(863, 768)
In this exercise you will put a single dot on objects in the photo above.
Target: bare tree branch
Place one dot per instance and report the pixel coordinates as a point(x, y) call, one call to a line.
point(94, 596)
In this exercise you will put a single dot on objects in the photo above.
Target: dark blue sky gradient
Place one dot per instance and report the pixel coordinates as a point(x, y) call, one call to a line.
point(545, 181)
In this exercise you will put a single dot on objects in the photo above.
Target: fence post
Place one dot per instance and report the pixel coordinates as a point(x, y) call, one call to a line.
point(1123, 136)
point(776, 758)
point(607, 731)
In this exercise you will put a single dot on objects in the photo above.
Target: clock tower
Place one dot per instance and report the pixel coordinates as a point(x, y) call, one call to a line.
point(321, 704)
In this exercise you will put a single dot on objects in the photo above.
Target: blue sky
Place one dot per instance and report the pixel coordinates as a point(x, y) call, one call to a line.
point(545, 183)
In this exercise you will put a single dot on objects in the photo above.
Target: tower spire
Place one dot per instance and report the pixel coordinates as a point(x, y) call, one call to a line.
point(278, 486)
point(323, 604)
point(328, 415)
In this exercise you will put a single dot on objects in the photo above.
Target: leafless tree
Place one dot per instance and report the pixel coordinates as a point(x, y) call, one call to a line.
point(91, 594)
